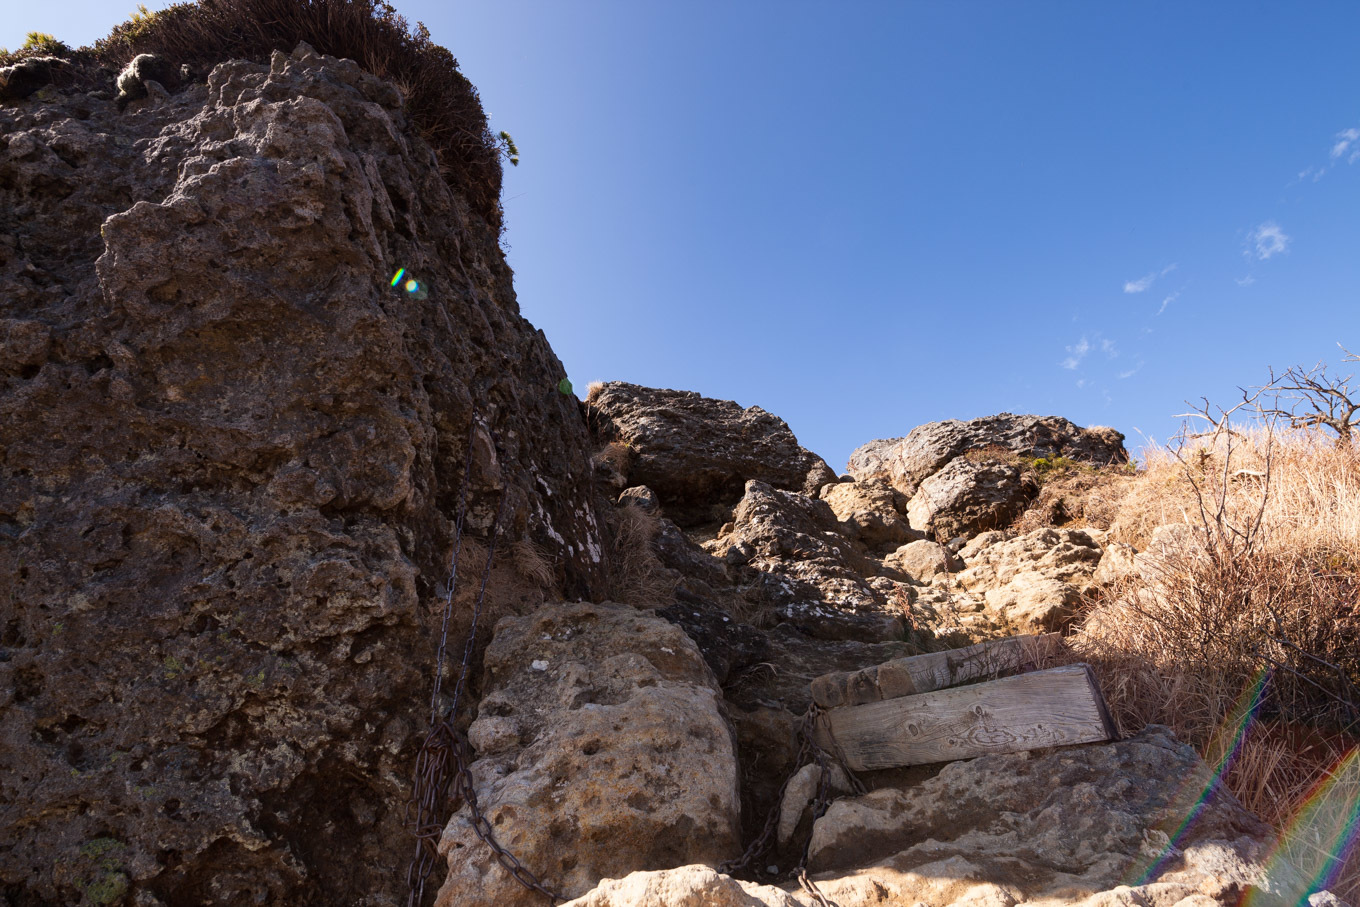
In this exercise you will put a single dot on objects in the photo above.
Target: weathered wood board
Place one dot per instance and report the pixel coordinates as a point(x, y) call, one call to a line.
point(935, 671)
point(1056, 707)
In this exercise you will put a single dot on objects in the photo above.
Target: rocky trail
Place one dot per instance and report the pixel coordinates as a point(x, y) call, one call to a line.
point(233, 456)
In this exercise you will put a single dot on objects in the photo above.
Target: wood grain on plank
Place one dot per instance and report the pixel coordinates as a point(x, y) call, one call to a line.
point(935, 671)
point(1056, 707)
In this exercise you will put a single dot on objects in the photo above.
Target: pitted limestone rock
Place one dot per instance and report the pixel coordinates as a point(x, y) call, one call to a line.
point(602, 751)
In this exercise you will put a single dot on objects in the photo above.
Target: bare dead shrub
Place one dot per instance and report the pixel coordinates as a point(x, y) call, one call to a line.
point(1257, 580)
point(638, 576)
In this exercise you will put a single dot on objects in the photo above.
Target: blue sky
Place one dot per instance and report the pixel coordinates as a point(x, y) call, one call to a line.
point(864, 216)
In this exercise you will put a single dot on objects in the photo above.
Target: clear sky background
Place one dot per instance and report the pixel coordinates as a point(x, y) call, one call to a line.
point(865, 216)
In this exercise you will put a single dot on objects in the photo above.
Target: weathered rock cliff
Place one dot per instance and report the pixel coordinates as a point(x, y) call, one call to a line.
point(230, 452)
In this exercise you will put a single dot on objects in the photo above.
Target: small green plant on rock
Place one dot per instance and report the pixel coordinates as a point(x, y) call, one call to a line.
point(41, 43)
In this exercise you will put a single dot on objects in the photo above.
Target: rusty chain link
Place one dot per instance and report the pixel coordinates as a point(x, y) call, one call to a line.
point(443, 777)
point(809, 751)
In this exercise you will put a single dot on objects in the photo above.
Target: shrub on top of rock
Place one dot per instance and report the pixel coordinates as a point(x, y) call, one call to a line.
point(438, 98)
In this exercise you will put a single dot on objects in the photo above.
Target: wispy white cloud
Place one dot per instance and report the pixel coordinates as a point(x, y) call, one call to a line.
point(1081, 382)
point(1076, 352)
point(1107, 347)
point(1268, 240)
point(1345, 143)
point(1245, 281)
point(1344, 140)
point(1129, 373)
point(1141, 284)
point(1167, 301)
point(1147, 280)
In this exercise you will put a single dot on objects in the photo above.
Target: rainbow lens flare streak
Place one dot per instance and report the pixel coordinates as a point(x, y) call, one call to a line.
point(1245, 708)
point(1310, 853)
point(408, 284)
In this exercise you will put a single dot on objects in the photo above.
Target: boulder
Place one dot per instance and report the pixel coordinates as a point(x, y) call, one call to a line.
point(601, 751)
point(872, 511)
point(1117, 564)
point(923, 560)
point(21, 79)
point(970, 496)
point(906, 462)
point(640, 496)
point(685, 886)
point(230, 452)
point(1035, 581)
point(1059, 826)
point(696, 453)
point(1068, 555)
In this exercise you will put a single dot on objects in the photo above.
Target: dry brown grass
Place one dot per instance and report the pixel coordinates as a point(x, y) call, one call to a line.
point(1262, 577)
point(616, 455)
point(637, 576)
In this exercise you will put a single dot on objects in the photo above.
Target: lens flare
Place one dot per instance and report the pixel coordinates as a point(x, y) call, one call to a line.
point(1228, 741)
point(408, 285)
point(1312, 849)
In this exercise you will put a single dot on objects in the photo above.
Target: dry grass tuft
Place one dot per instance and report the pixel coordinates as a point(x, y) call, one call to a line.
point(616, 455)
point(533, 563)
point(1260, 576)
point(638, 576)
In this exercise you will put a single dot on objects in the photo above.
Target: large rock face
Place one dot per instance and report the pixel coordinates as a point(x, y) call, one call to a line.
point(228, 455)
point(906, 462)
point(602, 751)
point(697, 454)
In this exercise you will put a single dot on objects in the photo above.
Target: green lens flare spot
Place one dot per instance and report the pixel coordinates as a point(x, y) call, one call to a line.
point(564, 387)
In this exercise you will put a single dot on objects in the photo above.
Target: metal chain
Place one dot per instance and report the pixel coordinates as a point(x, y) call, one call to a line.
point(443, 777)
point(808, 751)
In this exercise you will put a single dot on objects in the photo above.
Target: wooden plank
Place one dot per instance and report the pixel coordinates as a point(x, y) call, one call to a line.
point(935, 671)
point(1056, 707)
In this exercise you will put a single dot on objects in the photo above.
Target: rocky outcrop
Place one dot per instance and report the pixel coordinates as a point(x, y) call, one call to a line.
point(1057, 827)
point(696, 453)
point(923, 560)
point(1033, 582)
point(230, 452)
point(906, 462)
point(602, 751)
point(970, 496)
point(794, 553)
point(686, 886)
point(873, 512)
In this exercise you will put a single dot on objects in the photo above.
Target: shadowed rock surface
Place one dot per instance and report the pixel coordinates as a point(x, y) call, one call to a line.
point(231, 455)
point(696, 453)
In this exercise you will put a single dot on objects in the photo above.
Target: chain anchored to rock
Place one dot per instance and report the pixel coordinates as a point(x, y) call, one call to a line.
point(809, 751)
point(443, 778)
